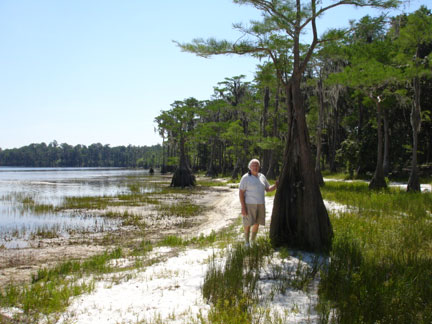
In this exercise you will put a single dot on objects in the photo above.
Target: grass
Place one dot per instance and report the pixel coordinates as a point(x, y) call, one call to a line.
point(336, 176)
point(389, 201)
point(233, 286)
point(43, 298)
point(381, 258)
point(52, 289)
point(211, 183)
point(200, 241)
point(95, 264)
point(182, 208)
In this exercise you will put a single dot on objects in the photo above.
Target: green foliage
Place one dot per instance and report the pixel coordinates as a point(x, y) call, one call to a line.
point(52, 289)
point(231, 288)
point(172, 241)
point(380, 262)
point(97, 263)
point(348, 155)
point(392, 201)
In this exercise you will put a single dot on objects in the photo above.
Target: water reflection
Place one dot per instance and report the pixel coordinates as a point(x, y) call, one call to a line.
point(49, 186)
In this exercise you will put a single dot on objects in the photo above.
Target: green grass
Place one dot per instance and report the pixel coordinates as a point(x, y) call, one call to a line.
point(182, 208)
point(172, 241)
point(389, 201)
point(211, 183)
point(94, 264)
point(51, 289)
point(43, 298)
point(381, 257)
point(231, 288)
point(336, 176)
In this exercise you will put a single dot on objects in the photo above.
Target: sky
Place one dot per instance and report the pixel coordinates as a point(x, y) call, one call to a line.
point(100, 71)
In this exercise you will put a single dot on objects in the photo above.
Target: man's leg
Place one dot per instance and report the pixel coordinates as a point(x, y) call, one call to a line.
point(254, 232)
point(246, 234)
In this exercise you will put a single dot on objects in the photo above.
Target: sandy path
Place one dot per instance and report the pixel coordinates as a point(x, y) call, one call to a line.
point(224, 208)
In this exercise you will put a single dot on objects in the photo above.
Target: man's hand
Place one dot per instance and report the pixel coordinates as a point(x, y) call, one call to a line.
point(244, 211)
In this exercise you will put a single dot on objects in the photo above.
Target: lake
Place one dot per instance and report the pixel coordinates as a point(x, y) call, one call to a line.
point(50, 186)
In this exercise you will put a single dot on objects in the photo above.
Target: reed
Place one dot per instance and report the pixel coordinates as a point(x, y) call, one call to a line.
point(231, 287)
point(381, 258)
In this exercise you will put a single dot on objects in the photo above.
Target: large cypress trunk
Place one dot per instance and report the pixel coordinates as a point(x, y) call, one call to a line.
point(265, 165)
point(211, 167)
point(273, 169)
point(378, 180)
point(299, 217)
point(386, 159)
point(414, 181)
point(163, 167)
point(319, 134)
point(183, 176)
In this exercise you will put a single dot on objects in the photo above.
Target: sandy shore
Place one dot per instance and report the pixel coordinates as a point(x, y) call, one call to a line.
point(17, 265)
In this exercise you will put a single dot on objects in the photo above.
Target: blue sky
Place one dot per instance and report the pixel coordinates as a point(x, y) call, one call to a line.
point(100, 71)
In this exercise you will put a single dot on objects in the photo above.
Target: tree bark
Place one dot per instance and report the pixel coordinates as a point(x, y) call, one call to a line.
point(273, 164)
point(211, 168)
point(183, 176)
point(335, 140)
point(378, 180)
point(266, 153)
point(361, 159)
point(386, 161)
point(299, 218)
point(414, 181)
point(163, 167)
point(319, 132)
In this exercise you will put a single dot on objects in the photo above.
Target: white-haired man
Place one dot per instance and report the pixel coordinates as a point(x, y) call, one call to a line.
point(253, 186)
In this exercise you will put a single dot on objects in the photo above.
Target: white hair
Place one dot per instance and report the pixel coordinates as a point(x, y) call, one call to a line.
point(252, 161)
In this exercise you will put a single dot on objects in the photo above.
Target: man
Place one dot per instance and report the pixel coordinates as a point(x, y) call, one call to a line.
point(253, 186)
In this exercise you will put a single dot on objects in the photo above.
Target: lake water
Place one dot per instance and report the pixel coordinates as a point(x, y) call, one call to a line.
point(50, 186)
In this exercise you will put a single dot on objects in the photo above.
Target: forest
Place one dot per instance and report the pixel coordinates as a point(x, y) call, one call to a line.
point(367, 95)
point(94, 155)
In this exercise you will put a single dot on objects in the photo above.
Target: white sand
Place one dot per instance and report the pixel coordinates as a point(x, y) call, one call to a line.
point(170, 291)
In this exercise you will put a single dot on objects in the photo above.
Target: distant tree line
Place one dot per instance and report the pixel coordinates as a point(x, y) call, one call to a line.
point(95, 155)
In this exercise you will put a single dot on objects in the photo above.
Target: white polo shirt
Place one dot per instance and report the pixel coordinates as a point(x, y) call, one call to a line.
point(254, 187)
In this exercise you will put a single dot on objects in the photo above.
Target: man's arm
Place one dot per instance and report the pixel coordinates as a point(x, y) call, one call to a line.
point(272, 188)
point(242, 202)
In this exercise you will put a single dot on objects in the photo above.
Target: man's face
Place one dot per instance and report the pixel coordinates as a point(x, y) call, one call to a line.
point(254, 167)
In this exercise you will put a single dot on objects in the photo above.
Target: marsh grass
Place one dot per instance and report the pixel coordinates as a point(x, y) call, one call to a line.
point(388, 201)
point(43, 298)
point(381, 258)
point(199, 241)
point(51, 289)
point(211, 183)
point(45, 233)
point(333, 175)
point(142, 248)
point(182, 208)
point(231, 287)
point(173, 241)
point(95, 264)
point(298, 275)
point(85, 202)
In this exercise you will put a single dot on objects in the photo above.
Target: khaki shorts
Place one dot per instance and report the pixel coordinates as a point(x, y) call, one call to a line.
point(255, 215)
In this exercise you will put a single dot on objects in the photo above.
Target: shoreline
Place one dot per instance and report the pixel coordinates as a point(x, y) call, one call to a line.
point(18, 265)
